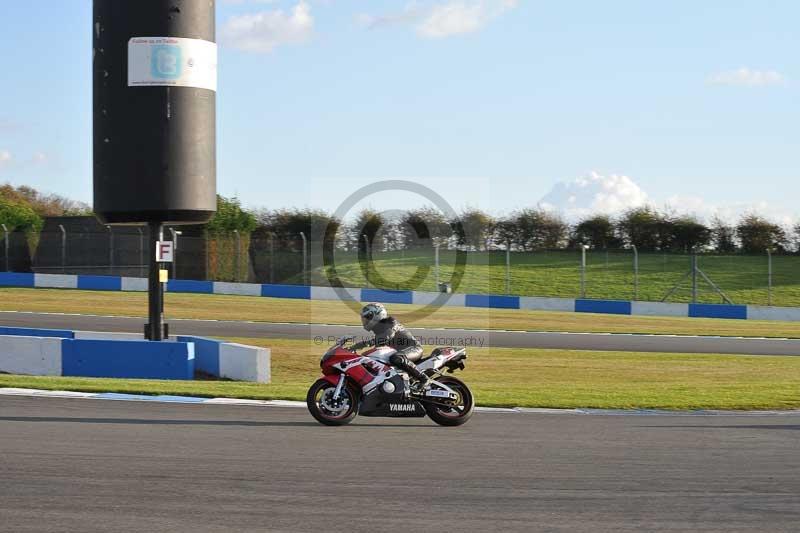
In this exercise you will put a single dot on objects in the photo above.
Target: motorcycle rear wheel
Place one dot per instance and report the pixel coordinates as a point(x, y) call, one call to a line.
point(459, 413)
point(316, 398)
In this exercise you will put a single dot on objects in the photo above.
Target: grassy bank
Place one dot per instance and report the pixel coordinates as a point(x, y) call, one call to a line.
point(218, 307)
point(557, 273)
point(526, 378)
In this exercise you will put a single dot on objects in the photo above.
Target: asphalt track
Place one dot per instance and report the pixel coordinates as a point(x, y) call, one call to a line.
point(324, 334)
point(88, 465)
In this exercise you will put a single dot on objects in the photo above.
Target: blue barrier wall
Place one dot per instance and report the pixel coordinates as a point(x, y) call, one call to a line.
point(718, 311)
point(495, 302)
point(127, 359)
point(387, 297)
point(206, 354)
point(31, 332)
point(15, 279)
point(301, 292)
point(100, 283)
point(609, 307)
point(185, 285)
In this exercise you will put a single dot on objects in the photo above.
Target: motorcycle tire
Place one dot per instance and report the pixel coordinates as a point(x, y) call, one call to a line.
point(453, 416)
point(319, 412)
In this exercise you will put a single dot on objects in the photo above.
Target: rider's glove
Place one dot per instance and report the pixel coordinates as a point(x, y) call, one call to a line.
point(360, 345)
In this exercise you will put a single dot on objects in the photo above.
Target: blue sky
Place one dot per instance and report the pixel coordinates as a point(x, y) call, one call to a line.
point(497, 104)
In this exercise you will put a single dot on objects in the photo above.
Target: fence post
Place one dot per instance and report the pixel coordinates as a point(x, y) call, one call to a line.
point(236, 255)
point(508, 268)
point(305, 255)
point(110, 250)
point(769, 277)
point(366, 253)
point(5, 231)
point(272, 257)
point(584, 247)
point(208, 254)
point(141, 251)
point(63, 248)
point(436, 259)
point(175, 252)
point(635, 273)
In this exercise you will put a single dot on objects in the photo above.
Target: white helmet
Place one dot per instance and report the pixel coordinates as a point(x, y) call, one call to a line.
point(371, 314)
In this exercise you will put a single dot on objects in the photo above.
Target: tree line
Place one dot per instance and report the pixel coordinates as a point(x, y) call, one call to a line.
point(648, 229)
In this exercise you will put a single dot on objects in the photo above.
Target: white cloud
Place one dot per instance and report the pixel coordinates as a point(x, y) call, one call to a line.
point(262, 32)
point(454, 18)
point(745, 77)
point(594, 194)
point(445, 19)
point(411, 14)
point(613, 195)
point(5, 158)
point(729, 213)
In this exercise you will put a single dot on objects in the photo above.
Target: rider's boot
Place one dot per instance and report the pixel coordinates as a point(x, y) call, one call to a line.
point(420, 379)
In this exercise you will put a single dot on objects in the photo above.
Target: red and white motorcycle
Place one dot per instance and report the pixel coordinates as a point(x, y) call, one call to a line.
point(369, 385)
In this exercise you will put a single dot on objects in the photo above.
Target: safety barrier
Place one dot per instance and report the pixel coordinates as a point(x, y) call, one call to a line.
point(230, 360)
point(126, 355)
point(304, 292)
point(127, 359)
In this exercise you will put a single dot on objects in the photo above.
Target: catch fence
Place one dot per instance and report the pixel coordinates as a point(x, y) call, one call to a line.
point(593, 274)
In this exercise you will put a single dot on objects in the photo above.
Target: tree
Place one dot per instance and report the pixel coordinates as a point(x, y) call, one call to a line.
point(540, 229)
point(598, 232)
point(506, 232)
point(723, 236)
point(531, 229)
point(689, 234)
point(796, 237)
point(369, 224)
point(642, 227)
point(757, 235)
point(19, 216)
point(473, 228)
point(285, 226)
point(425, 226)
point(44, 205)
point(230, 216)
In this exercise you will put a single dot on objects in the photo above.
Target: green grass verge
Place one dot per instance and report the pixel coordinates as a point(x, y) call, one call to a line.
point(219, 307)
point(525, 378)
point(557, 273)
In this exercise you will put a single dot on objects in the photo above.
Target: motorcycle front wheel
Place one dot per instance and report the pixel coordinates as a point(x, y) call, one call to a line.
point(328, 411)
point(458, 413)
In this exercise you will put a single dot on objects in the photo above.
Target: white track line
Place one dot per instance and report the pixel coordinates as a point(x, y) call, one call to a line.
point(293, 404)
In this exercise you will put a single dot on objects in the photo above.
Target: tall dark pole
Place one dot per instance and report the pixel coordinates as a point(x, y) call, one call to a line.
point(155, 82)
point(154, 330)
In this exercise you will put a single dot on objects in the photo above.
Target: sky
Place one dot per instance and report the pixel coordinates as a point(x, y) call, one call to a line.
point(580, 106)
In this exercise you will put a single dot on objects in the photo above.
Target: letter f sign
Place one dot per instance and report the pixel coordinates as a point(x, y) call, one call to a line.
point(164, 251)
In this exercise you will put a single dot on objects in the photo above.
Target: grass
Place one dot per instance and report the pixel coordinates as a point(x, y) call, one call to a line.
point(520, 377)
point(557, 273)
point(202, 306)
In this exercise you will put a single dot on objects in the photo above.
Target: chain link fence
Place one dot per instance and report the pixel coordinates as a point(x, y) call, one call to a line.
point(603, 274)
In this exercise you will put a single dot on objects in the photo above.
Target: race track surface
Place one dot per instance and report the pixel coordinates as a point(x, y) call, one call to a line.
point(88, 465)
point(324, 334)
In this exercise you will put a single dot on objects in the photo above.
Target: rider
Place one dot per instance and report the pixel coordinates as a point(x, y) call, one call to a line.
point(389, 332)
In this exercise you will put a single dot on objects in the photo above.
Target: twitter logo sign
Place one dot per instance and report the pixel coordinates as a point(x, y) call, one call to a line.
point(166, 62)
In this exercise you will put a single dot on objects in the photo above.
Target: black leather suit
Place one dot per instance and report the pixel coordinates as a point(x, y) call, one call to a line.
point(389, 332)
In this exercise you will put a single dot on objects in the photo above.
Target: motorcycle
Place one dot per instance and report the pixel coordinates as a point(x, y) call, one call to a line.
point(368, 385)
